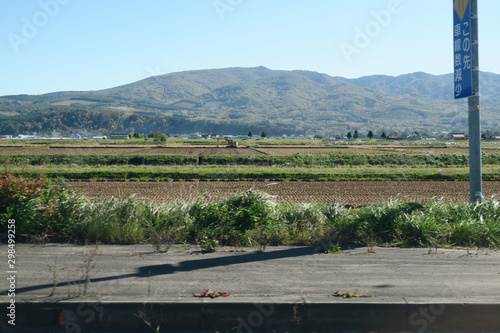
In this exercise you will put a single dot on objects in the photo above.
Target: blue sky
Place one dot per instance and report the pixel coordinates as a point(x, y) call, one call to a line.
point(59, 45)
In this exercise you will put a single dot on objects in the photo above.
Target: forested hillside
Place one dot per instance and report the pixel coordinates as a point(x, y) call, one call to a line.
point(238, 100)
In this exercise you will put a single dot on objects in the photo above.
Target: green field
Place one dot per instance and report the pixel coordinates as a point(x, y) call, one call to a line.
point(255, 159)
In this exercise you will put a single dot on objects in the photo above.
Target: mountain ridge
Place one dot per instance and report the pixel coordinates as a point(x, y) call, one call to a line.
point(301, 101)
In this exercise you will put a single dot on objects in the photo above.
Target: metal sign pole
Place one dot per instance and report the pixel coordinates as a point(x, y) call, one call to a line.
point(476, 192)
point(466, 77)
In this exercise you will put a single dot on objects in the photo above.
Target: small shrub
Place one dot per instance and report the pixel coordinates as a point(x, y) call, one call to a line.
point(37, 205)
point(208, 245)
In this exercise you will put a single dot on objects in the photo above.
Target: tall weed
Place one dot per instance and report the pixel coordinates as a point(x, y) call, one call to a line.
point(112, 221)
point(341, 227)
point(305, 223)
point(166, 224)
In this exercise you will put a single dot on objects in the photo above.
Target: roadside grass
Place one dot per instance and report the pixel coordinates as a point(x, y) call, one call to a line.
point(443, 224)
point(251, 218)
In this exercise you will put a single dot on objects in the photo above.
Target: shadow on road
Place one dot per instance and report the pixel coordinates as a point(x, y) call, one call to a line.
point(190, 265)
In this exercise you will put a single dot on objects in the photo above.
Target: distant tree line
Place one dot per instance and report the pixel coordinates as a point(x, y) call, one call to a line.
point(68, 121)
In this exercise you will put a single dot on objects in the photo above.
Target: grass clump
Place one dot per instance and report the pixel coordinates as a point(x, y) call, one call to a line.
point(166, 224)
point(377, 224)
point(304, 223)
point(341, 228)
point(112, 221)
point(231, 220)
point(452, 224)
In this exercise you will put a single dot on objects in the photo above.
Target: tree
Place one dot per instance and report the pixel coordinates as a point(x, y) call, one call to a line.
point(383, 136)
point(349, 135)
point(370, 135)
point(250, 134)
point(263, 135)
point(158, 136)
point(356, 134)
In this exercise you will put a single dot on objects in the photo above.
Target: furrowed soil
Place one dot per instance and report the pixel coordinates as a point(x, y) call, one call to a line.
point(352, 193)
point(130, 150)
point(208, 150)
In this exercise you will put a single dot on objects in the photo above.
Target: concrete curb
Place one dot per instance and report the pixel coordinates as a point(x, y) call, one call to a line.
point(221, 315)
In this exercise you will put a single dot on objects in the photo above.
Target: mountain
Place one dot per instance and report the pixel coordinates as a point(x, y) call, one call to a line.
point(238, 100)
point(433, 86)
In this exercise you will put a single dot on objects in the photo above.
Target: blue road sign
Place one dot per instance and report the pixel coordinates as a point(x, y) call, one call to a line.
point(462, 48)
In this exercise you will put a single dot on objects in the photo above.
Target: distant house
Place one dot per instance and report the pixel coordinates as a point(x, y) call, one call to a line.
point(5, 136)
point(458, 136)
point(194, 136)
point(496, 138)
point(118, 136)
point(413, 136)
point(394, 137)
point(22, 136)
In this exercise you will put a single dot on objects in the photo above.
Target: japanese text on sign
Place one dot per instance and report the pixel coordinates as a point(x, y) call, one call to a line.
point(462, 49)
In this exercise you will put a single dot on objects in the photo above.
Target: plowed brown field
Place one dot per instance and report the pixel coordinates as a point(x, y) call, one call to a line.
point(354, 193)
point(131, 150)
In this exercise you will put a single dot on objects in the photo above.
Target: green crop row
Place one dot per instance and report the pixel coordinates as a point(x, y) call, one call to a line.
point(251, 175)
point(299, 160)
point(95, 160)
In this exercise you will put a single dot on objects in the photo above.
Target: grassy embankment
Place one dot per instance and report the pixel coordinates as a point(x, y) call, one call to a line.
point(46, 212)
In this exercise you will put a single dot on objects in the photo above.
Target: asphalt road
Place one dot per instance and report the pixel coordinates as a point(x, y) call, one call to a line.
point(118, 273)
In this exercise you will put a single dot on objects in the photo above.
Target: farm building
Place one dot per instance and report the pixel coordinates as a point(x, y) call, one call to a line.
point(458, 136)
point(413, 136)
point(118, 136)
